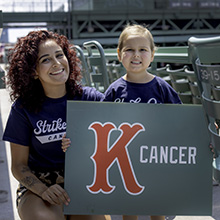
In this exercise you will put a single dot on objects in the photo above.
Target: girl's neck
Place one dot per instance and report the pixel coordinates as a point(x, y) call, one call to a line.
point(138, 78)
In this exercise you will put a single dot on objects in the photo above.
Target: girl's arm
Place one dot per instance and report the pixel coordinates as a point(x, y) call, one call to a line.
point(54, 194)
point(65, 143)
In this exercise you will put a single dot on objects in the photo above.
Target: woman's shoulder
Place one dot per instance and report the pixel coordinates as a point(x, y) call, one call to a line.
point(17, 105)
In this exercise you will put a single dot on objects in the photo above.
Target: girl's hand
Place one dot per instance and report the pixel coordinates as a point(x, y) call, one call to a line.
point(65, 143)
point(212, 150)
point(55, 195)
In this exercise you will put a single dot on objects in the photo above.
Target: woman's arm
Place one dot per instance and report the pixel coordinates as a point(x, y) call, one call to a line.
point(54, 194)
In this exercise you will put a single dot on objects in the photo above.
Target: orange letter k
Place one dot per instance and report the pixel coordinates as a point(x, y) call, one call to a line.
point(104, 157)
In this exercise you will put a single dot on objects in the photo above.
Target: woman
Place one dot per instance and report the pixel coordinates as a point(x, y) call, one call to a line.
point(44, 72)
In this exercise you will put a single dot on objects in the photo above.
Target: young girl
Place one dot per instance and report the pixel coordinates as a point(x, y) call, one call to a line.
point(44, 72)
point(136, 51)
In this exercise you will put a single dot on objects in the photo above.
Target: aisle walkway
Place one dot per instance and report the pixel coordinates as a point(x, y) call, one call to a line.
point(8, 183)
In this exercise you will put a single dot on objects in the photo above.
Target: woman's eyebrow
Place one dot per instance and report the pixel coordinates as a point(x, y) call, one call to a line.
point(45, 55)
point(58, 51)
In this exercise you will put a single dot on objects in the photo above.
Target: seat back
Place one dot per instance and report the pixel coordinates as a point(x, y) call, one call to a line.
point(173, 65)
point(96, 62)
point(2, 75)
point(115, 70)
point(196, 98)
point(85, 70)
point(180, 83)
point(205, 58)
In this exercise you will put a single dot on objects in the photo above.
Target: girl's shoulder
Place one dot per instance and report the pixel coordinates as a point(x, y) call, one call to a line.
point(162, 82)
point(118, 82)
point(91, 94)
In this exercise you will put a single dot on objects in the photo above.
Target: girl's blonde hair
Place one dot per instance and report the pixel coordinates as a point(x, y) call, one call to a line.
point(135, 29)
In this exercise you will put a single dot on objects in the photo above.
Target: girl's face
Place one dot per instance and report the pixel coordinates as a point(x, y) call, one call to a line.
point(52, 68)
point(136, 54)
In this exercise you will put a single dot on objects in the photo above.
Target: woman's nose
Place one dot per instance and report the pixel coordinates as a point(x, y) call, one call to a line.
point(56, 62)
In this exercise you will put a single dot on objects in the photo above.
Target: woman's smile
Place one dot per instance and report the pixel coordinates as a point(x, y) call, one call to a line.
point(58, 72)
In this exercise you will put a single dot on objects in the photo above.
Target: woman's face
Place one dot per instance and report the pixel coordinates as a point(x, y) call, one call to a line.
point(52, 67)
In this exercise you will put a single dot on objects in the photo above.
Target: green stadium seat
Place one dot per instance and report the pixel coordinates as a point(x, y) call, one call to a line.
point(204, 55)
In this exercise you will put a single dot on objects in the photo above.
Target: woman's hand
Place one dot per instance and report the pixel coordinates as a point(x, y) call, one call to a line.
point(65, 143)
point(55, 195)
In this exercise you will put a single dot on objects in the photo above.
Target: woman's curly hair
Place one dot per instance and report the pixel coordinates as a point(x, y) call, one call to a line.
point(22, 67)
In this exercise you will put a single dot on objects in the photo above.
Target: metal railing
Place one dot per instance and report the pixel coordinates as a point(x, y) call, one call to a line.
point(34, 5)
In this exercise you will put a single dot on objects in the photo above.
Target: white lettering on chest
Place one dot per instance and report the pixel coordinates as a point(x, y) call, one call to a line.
point(44, 127)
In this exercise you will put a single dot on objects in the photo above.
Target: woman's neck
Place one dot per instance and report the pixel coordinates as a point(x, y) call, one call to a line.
point(56, 92)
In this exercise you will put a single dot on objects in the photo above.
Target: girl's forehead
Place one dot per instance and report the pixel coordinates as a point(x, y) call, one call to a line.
point(136, 36)
point(136, 39)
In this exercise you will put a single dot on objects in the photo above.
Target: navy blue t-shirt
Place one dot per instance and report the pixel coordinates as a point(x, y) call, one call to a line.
point(42, 132)
point(155, 91)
